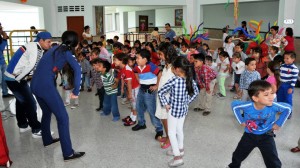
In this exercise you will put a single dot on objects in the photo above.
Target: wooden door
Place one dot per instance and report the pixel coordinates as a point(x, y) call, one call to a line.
point(143, 23)
point(76, 23)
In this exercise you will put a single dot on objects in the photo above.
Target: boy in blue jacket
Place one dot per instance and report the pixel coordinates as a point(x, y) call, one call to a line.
point(260, 123)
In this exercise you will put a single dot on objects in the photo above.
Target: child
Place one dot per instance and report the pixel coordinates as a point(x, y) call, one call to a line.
point(290, 40)
point(68, 85)
point(176, 46)
point(261, 62)
point(184, 50)
point(193, 50)
point(126, 49)
point(239, 47)
point(85, 72)
point(206, 79)
point(214, 66)
point(238, 67)
point(154, 57)
point(127, 75)
point(247, 77)
point(288, 77)
point(216, 55)
point(273, 52)
point(148, 75)
point(274, 75)
point(127, 43)
point(228, 46)
point(85, 50)
point(223, 73)
point(206, 49)
point(183, 90)
point(260, 123)
point(110, 97)
point(168, 54)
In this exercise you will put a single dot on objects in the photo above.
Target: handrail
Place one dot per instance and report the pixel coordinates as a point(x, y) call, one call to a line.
point(14, 31)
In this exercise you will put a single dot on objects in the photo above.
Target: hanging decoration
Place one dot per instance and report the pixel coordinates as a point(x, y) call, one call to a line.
point(236, 12)
point(195, 35)
point(226, 5)
point(23, 1)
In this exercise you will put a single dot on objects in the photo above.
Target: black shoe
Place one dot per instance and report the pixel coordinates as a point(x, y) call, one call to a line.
point(55, 140)
point(159, 135)
point(96, 94)
point(7, 95)
point(61, 84)
point(232, 89)
point(81, 89)
point(98, 109)
point(89, 90)
point(75, 155)
point(138, 127)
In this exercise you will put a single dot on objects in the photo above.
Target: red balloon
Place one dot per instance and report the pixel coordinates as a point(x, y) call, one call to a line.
point(23, 1)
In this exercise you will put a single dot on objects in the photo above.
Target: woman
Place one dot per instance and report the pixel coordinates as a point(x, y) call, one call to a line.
point(43, 87)
point(276, 39)
point(87, 35)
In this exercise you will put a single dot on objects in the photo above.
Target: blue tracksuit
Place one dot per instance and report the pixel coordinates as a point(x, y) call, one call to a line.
point(288, 78)
point(43, 87)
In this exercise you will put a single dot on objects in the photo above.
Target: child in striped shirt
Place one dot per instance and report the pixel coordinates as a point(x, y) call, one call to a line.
point(110, 103)
point(288, 77)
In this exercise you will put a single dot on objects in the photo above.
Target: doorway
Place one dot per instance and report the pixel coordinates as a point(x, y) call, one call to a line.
point(76, 23)
point(143, 23)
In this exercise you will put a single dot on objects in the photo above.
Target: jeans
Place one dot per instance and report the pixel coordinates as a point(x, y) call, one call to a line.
point(282, 94)
point(86, 80)
point(25, 105)
point(265, 144)
point(175, 128)
point(3, 83)
point(111, 105)
point(147, 102)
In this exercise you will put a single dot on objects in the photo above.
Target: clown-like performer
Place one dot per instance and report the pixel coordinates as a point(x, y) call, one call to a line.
point(43, 87)
point(19, 71)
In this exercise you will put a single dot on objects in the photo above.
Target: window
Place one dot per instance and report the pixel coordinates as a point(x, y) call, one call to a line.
point(108, 23)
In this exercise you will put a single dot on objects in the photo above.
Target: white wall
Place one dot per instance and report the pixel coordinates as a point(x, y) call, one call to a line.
point(297, 20)
point(163, 16)
point(215, 16)
point(131, 19)
point(149, 13)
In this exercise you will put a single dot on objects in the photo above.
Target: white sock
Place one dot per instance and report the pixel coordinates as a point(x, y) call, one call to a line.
point(133, 118)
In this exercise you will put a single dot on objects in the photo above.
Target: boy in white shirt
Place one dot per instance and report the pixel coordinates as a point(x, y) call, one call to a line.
point(238, 67)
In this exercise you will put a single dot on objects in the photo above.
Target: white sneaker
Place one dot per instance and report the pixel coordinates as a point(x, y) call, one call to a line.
point(22, 130)
point(74, 106)
point(170, 152)
point(67, 104)
point(175, 163)
point(39, 134)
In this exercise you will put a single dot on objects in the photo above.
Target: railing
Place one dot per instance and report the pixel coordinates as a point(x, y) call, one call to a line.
point(143, 37)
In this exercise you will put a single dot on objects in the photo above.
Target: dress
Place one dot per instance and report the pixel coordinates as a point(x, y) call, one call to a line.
point(167, 74)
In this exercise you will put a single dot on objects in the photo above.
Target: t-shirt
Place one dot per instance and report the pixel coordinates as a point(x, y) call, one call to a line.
point(108, 80)
point(229, 48)
point(271, 80)
point(224, 65)
point(127, 74)
point(290, 46)
point(147, 74)
point(171, 34)
point(238, 67)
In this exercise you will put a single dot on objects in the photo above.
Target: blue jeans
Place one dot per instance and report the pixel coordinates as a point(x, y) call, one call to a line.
point(3, 83)
point(282, 94)
point(147, 102)
point(25, 105)
point(110, 105)
point(86, 80)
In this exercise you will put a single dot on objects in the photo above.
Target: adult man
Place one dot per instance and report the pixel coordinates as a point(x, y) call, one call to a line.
point(19, 71)
point(3, 44)
point(170, 32)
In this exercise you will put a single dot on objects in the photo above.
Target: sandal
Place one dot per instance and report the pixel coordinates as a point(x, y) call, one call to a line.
point(165, 145)
point(296, 149)
point(162, 139)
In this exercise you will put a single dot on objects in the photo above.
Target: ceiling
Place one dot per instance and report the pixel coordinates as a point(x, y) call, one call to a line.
point(8, 6)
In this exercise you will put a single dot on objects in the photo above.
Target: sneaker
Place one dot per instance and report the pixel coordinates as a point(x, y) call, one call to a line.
point(159, 135)
point(89, 90)
point(103, 114)
point(55, 140)
point(232, 89)
point(74, 106)
point(67, 104)
point(129, 122)
point(75, 155)
point(61, 84)
point(115, 119)
point(7, 95)
point(38, 134)
point(98, 109)
point(96, 94)
point(126, 119)
point(8, 163)
point(22, 130)
point(175, 163)
point(205, 113)
point(220, 95)
point(81, 90)
point(138, 127)
point(170, 152)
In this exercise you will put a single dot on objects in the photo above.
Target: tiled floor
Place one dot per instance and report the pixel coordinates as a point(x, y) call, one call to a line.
point(209, 141)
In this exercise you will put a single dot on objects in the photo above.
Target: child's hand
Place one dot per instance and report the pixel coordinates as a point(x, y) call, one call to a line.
point(115, 85)
point(129, 97)
point(153, 88)
point(290, 91)
point(275, 127)
point(208, 92)
point(243, 124)
point(168, 107)
point(72, 96)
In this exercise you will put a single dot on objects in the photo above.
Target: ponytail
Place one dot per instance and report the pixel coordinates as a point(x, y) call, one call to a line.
point(186, 67)
point(275, 68)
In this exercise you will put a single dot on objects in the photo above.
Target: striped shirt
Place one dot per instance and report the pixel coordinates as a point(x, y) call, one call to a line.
point(147, 74)
point(108, 80)
point(289, 74)
point(179, 98)
point(261, 120)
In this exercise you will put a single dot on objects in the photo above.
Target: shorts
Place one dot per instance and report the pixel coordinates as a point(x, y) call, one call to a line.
point(237, 78)
point(161, 111)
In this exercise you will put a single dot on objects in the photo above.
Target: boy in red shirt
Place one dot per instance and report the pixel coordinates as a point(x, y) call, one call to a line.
point(127, 75)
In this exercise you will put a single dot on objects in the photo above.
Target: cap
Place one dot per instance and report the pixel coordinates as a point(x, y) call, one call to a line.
point(42, 35)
